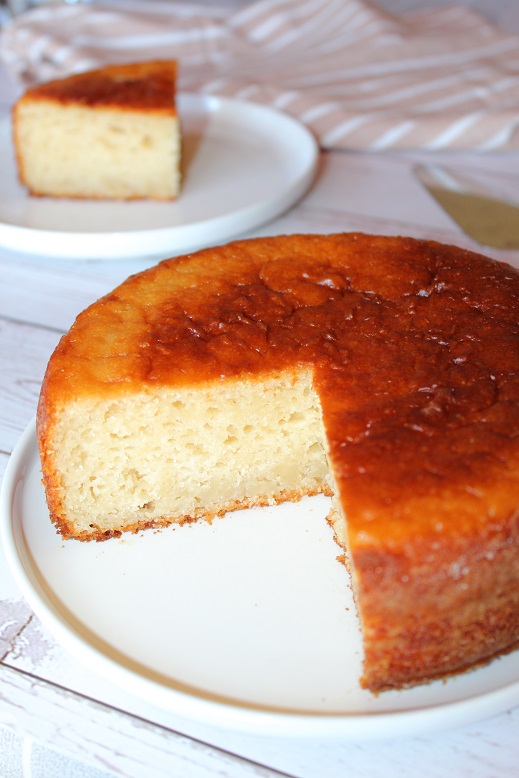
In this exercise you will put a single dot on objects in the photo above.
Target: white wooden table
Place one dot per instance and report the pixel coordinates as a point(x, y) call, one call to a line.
point(58, 719)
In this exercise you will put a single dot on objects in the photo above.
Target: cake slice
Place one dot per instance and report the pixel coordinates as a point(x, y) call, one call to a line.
point(111, 133)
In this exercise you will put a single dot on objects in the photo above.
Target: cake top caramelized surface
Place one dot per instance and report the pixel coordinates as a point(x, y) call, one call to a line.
point(425, 311)
point(139, 86)
point(414, 347)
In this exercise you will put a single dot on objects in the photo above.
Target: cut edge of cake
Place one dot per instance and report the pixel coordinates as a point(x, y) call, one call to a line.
point(243, 441)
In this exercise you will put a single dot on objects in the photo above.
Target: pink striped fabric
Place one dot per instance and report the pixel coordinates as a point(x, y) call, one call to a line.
point(359, 78)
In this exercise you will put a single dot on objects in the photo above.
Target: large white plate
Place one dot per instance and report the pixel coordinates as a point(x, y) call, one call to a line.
point(246, 623)
point(243, 165)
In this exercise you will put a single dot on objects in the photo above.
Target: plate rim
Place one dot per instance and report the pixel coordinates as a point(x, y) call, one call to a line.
point(196, 706)
point(170, 240)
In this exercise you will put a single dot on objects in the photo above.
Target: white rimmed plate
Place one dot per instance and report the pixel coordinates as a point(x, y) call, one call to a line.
point(246, 623)
point(244, 164)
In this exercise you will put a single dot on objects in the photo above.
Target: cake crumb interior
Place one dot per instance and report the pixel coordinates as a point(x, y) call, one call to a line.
point(182, 454)
point(52, 135)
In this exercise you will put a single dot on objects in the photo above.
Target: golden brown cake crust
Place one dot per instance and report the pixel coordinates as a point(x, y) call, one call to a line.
point(415, 352)
point(141, 86)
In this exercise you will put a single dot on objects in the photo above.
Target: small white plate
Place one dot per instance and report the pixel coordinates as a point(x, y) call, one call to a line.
point(244, 164)
point(246, 623)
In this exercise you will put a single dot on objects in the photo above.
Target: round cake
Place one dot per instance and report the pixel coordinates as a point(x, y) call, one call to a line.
point(381, 371)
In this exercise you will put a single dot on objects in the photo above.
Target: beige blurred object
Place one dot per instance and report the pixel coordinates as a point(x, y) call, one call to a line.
point(484, 207)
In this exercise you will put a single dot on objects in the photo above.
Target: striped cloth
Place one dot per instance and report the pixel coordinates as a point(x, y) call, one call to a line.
point(358, 77)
